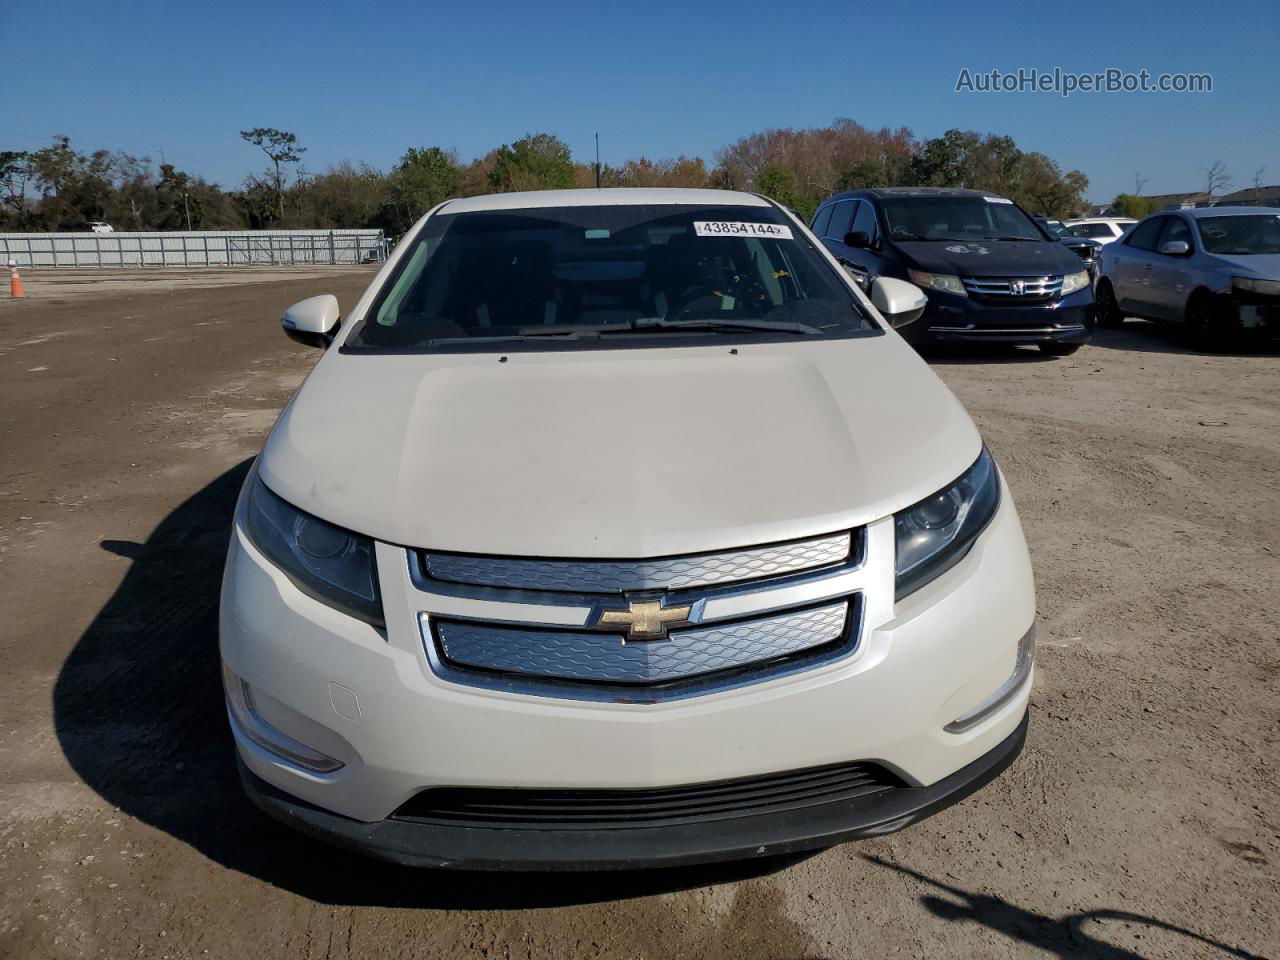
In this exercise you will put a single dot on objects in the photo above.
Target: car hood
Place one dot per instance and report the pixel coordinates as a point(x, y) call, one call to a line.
point(1265, 266)
point(618, 453)
point(991, 258)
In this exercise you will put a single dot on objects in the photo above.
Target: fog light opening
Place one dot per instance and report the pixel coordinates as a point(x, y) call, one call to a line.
point(247, 722)
point(1006, 691)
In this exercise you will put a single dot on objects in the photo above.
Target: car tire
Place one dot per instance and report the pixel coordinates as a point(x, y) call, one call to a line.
point(1059, 349)
point(1108, 311)
point(1206, 327)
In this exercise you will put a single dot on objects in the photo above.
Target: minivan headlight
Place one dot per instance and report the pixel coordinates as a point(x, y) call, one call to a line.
point(1075, 281)
point(937, 281)
point(333, 565)
point(934, 534)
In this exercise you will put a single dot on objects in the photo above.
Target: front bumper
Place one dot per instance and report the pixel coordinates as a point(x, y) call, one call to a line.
point(370, 699)
point(954, 319)
point(821, 825)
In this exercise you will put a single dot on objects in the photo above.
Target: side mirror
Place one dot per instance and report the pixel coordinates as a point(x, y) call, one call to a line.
point(857, 238)
point(899, 302)
point(1175, 248)
point(313, 321)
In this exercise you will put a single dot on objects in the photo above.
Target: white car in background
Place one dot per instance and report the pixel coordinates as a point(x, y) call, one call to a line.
point(617, 528)
point(1102, 229)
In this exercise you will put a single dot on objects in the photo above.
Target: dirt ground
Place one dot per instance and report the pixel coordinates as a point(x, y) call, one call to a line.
point(1141, 821)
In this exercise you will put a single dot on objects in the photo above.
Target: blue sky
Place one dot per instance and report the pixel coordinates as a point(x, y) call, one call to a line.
point(363, 81)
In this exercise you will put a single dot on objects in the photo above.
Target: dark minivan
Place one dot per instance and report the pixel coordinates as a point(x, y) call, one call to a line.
point(991, 273)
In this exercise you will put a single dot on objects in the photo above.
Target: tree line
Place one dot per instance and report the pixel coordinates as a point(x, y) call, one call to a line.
point(60, 187)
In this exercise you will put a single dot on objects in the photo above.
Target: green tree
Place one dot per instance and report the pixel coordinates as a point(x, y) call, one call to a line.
point(280, 146)
point(16, 171)
point(779, 183)
point(540, 161)
point(864, 174)
point(424, 177)
point(1132, 205)
point(1043, 189)
point(944, 160)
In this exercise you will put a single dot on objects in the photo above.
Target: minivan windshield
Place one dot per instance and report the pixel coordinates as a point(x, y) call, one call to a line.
point(957, 218)
point(1240, 235)
point(608, 275)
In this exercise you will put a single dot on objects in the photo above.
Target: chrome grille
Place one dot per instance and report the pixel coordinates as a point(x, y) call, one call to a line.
point(603, 658)
point(582, 629)
point(617, 576)
point(1013, 288)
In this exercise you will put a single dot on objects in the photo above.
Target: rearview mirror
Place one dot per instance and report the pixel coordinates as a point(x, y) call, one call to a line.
point(1175, 248)
point(857, 238)
point(313, 321)
point(899, 302)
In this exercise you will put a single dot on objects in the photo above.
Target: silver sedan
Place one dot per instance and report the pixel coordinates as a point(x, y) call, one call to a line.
point(1214, 269)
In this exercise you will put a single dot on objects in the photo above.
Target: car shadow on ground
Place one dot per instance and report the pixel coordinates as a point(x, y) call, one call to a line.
point(1074, 935)
point(139, 714)
point(1144, 336)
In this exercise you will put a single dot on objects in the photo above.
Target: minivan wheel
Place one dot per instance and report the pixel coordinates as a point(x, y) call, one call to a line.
point(1108, 311)
point(1059, 349)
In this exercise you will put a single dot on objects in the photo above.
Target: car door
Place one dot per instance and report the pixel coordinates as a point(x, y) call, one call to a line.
point(864, 262)
point(1133, 260)
point(837, 227)
point(1171, 275)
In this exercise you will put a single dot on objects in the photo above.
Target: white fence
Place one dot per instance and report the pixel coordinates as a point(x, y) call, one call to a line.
point(199, 248)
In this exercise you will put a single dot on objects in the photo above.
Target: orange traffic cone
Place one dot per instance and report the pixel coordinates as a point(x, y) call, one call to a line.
point(15, 282)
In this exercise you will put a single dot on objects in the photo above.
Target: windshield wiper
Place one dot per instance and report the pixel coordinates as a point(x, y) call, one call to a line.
point(650, 324)
point(533, 333)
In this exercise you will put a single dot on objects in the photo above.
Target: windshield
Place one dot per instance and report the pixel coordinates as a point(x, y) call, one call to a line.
point(610, 275)
point(1241, 235)
point(1056, 229)
point(957, 218)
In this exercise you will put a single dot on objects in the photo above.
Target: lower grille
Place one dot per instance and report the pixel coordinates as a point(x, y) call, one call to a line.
point(604, 658)
point(514, 809)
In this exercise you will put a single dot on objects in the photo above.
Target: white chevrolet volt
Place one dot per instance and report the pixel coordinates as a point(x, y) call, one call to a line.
point(619, 528)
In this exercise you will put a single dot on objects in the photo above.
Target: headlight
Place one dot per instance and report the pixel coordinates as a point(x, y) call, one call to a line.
point(333, 565)
point(1268, 287)
point(937, 281)
point(935, 533)
point(1075, 281)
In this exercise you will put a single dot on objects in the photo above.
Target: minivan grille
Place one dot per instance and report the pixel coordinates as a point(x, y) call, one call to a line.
point(515, 809)
point(1013, 289)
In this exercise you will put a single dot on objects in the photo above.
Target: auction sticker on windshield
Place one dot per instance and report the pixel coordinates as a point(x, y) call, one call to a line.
point(729, 228)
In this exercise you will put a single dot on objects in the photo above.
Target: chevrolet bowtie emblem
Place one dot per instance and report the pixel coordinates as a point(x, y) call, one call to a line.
point(645, 619)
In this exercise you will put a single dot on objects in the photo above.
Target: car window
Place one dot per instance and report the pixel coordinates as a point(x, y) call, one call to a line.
point(943, 218)
point(864, 219)
point(1144, 234)
point(841, 214)
point(564, 277)
point(821, 220)
point(1093, 230)
point(1250, 234)
point(1175, 228)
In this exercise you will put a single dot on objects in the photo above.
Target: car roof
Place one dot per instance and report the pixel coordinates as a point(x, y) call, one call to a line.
point(609, 196)
point(1200, 212)
point(1074, 220)
point(887, 192)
